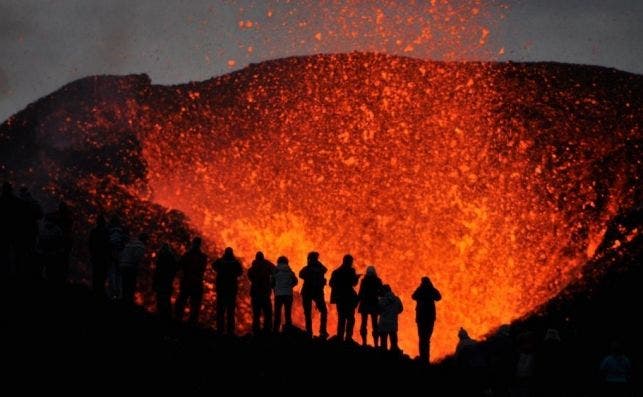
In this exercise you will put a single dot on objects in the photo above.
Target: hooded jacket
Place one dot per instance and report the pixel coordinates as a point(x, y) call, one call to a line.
point(284, 280)
point(390, 307)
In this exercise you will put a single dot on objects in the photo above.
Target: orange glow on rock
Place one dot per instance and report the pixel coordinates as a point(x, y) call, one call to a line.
point(496, 180)
point(477, 175)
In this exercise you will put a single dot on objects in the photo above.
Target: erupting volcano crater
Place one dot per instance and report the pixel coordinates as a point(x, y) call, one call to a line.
point(496, 180)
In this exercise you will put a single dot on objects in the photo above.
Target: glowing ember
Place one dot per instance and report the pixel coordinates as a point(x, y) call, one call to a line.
point(418, 168)
point(497, 180)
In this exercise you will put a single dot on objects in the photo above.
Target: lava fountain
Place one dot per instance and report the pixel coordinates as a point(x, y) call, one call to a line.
point(496, 180)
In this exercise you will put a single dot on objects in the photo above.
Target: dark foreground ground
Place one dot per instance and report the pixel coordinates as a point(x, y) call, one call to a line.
point(65, 340)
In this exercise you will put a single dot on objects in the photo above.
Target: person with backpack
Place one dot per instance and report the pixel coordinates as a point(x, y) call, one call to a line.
point(313, 291)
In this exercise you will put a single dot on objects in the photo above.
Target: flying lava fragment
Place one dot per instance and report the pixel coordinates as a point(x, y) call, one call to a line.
point(497, 180)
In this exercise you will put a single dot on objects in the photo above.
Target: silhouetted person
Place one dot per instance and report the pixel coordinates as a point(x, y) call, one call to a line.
point(551, 365)
point(425, 297)
point(343, 295)
point(471, 364)
point(259, 274)
point(64, 219)
point(117, 240)
point(390, 307)
point(166, 268)
point(370, 289)
point(192, 264)
point(284, 281)
point(228, 269)
point(501, 359)
point(9, 218)
point(99, 255)
point(616, 370)
point(525, 371)
point(51, 246)
point(30, 213)
point(313, 291)
point(130, 263)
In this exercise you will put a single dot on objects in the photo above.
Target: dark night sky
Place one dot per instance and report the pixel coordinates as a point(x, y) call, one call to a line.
point(47, 43)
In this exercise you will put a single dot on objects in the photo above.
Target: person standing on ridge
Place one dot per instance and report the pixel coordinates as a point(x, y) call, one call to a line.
point(260, 274)
point(369, 291)
point(100, 255)
point(342, 293)
point(425, 297)
point(313, 291)
point(192, 264)
point(228, 269)
point(166, 268)
point(284, 281)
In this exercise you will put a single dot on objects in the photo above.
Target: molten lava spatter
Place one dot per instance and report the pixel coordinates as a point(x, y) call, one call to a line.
point(496, 180)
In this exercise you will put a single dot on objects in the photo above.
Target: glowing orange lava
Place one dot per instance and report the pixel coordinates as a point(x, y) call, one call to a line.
point(497, 180)
point(481, 176)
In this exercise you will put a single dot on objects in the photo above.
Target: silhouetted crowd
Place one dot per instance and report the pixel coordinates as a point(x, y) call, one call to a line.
point(38, 245)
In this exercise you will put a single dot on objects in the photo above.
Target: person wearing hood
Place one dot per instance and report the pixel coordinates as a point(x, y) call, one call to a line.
point(260, 274)
point(284, 280)
point(313, 291)
point(369, 291)
point(425, 297)
point(390, 307)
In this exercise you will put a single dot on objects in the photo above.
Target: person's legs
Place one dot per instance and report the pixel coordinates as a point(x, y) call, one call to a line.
point(220, 314)
point(320, 303)
point(278, 304)
point(393, 336)
point(196, 296)
point(374, 328)
point(288, 310)
point(307, 303)
point(423, 344)
point(362, 327)
point(383, 340)
point(129, 284)
point(350, 322)
point(267, 314)
point(164, 306)
point(231, 308)
point(256, 304)
point(179, 306)
point(341, 322)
